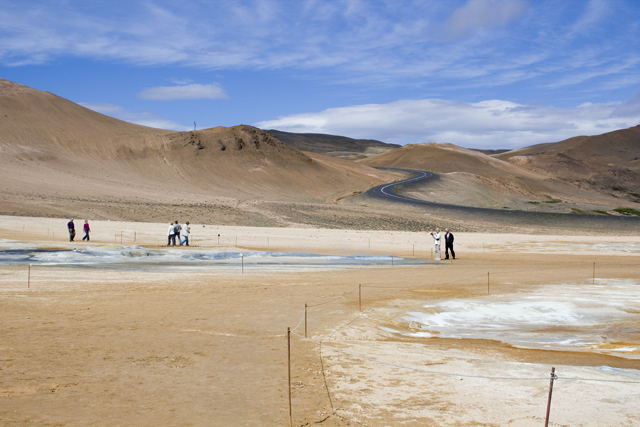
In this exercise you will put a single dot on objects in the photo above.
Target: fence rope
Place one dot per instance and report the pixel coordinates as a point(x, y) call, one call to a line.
point(424, 286)
point(453, 374)
point(470, 278)
point(324, 376)
point(335, 299)
point(597, 380)
point(13, 272)
point(301, 320)
point(394, 365)
point(542, 269)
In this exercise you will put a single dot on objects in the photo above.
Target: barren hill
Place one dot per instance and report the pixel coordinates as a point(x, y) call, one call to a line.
point(608, 163)
point(333, 145)
point(471, 178)
point(57, 157)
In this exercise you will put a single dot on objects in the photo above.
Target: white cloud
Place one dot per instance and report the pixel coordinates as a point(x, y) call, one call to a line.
point(488, 124)
point(144, 119)
point(476, 14)
point(185, 91)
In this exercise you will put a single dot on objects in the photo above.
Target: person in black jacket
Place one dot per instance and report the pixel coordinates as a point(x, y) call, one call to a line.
point(448, 244)
point(72, 230)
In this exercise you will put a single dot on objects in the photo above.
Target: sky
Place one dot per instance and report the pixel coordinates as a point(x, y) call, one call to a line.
point(475, 73)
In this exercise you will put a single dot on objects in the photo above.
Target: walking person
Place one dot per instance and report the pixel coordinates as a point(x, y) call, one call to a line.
point(86, 230)
point(171, 234)
point(448, 244)
point(185, 233)
point(436, 239)
point(72, 230)
point(176, 230)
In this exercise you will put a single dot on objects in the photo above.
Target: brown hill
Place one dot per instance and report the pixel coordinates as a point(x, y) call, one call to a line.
point(620, 148)
point(608, 163)
point(55, 153)
point(444, 158)
point(333, 145)
point(471, 178)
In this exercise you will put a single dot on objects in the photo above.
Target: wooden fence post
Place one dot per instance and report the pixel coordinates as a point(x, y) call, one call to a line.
point(289, 375)
point(553, 377)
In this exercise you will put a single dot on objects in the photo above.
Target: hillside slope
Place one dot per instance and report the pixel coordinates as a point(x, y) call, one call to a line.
point(608, 163)
point(333, 145)
point(54, 152)
point(471, 178)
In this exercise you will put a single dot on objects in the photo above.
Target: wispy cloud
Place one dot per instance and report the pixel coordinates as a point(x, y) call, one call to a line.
point(594, 13)
point(415, 42)
point(185, 91)
point(487, 124)
point(477, 14)
point(144, 118)
point(629, 108)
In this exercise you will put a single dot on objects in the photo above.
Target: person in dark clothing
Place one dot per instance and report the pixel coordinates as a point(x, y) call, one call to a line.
point(72, 230)
point(448, 244)
point(176, 233)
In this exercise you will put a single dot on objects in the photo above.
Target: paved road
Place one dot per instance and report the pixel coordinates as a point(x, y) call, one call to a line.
point(389, 192)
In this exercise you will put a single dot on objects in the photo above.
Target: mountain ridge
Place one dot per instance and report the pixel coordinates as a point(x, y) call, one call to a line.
point(334, 145)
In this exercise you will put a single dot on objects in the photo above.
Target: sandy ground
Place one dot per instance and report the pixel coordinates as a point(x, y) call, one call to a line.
point(83, 347)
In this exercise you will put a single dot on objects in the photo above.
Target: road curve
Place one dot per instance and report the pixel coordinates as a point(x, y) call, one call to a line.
point(388, 192)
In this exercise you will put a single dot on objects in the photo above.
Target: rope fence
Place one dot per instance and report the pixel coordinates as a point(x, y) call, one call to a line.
point(14, 271)
point(211, 236)
point(320, 343)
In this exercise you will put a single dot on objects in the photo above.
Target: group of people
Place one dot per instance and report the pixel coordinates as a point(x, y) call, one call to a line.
point(448, 242)
point(72, 230)
point(175, 229)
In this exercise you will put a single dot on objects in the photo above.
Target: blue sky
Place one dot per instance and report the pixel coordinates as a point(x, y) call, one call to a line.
point(476, 73)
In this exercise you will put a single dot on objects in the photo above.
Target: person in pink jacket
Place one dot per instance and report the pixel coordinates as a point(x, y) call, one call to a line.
point(86, 230)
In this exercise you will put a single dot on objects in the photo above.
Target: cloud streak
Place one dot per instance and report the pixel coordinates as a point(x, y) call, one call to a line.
point(487, 124)
point(185, 91)
point(143, 118)
point(478, 14)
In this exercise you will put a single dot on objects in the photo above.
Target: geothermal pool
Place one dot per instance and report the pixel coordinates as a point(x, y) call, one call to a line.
point(133, 257)
point(602, 317)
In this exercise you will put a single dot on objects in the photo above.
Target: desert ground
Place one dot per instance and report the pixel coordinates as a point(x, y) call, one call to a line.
point(123, 330)
point(188, 344)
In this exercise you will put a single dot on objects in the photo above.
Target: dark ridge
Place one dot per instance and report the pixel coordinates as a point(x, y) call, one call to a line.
point(490, 152)
point(333, 145)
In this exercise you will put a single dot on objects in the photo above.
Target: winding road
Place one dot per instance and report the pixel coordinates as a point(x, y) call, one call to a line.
point(388, 192)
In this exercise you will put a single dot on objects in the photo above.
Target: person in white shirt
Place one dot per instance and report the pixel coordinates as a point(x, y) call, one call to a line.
point(170, 234)
point(436, 238)
point(185, 234)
